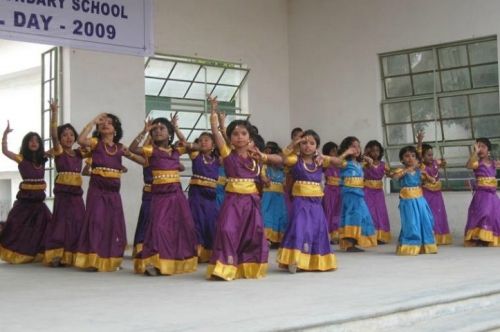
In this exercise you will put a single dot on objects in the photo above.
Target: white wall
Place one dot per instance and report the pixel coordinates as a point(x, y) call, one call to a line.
point(335, 84)
point(251, 32)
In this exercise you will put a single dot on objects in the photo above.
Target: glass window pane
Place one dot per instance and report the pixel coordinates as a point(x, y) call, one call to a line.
point(455, 79)
point(456, 155)
point(224, 93)
point(484, 103)
point(457, 129)
point(484, 76)
point(422, 61)
point(184, 71)
point(397, 112)
point(423, 110)
point(204, 122)
point(197, 91)
point(46, 124)
point(392, 155)
point(452, 107)
point(399, 134)
point(213, 74)
point(175, 89)
point(429, 129)
point(424, 83)
point(459, 173)
point(483, 52)
point(486, 126)
point(398, 86)
point(187, 119)
point(153, 86)
point(232, 77)
point(158, 68)
point(455, 56)
point(395, 65)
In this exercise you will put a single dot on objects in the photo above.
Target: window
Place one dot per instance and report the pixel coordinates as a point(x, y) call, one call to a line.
point(451, 92)
point(179, 86)
point(50, 90)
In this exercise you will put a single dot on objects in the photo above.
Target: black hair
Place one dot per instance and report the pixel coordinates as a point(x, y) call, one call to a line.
point(241, 123)
point(485, 141)
point(328, 147)
point(294, 131)
point(170, 128)
point(409, 148)
point(426, 147)
point(215, 151)
point(38, 157)
point(63, 127)
point(273, 147)
point(116, 124)
point(376, 143)
point(310, 132)
point(345, 144)
point(255, 129)
point(259, 142)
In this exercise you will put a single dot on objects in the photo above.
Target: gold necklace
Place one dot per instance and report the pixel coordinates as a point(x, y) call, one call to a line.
point(108, 152)
point(309, 170)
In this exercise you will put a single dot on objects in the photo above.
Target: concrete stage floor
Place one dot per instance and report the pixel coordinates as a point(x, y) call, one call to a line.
point(457, 289)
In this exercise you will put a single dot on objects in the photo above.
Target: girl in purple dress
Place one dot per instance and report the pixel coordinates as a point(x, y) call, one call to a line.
point(306, 243)
point(483, 220)
point(64, 229)
point(374, 190)
point(103, 238)
point(432, 190)
point(202, 194)
point(170, 238)
point(240, 249)
point(22, 238)
point(331, 201)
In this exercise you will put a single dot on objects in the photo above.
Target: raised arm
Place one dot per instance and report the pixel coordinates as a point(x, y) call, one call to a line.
point(473, 159)
point(420, 139)
point(53, 122)
point(83, 138)
point(5, 150)
point(222, 125)
point(174, 119)
point(134, 146)
point(220, 142)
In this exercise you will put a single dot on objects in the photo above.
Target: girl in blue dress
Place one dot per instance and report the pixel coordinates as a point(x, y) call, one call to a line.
point(356, 223)
point(273, 207)
point(417, 222)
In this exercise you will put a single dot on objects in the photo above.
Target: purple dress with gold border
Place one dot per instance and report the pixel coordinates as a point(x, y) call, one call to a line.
point(483, 219)
point(170, 238)
point(103, 236)
point(22, 238)
point(63, 231)
point(240, 247)
point(375, 199)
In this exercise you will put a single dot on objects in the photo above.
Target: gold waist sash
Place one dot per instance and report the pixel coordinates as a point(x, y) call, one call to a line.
point(410, 192)
point(221, 180)
point(307, 189)
point(33, 186)
point(355, 182)
point(276, 187)
point(436, 186)
point(241, 186)
point(69, 179)
point(203, 181)
point(373, 184)
point(165, 177)
point(487, 182)
point(332, 181)
point(107, 172)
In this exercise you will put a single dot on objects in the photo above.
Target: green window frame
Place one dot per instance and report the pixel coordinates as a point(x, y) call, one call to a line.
point(451, 92)
point(176, 85)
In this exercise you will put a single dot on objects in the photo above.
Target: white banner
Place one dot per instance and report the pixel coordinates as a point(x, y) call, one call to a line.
point(119, 26)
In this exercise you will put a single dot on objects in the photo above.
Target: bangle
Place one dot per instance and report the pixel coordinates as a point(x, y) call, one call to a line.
point(264, 158)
